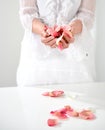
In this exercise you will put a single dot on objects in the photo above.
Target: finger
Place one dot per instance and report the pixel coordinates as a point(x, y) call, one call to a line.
point(66, 38)
point(44, 34)
point(61, 42)
point(54, 46)
point(64, 44)
point(52, 43)
point(46, 40)
point(50, 40)
point(72, 40)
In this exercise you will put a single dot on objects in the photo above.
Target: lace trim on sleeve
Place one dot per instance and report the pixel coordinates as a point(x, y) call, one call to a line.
point(86, 13)
point(28, 11)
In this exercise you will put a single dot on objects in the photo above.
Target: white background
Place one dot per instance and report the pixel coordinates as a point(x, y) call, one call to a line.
point(11, 33)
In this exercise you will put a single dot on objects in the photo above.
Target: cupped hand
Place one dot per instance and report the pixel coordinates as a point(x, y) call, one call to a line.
point(48, 39)
point(65, 40)
point(76, 26)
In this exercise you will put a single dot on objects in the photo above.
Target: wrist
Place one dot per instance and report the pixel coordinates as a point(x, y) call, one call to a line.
point(37, 26)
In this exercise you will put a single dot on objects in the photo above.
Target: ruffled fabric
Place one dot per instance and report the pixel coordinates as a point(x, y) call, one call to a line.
point(57, 11)
point(51, 12)
point(28, 11)
point(66, 7)
point(48, 11)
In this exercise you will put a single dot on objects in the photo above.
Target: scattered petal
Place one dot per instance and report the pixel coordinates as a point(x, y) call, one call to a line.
point(87, 115)
point(55, 93)
point(68, 108)
point(59, 114)
point(73, 113)
point(45, 94)
point(52, 122)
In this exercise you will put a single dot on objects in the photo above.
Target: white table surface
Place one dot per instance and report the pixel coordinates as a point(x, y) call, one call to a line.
point(24, 108)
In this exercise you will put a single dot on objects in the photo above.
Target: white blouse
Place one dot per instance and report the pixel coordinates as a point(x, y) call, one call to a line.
point(56, 11)
point(39, 64)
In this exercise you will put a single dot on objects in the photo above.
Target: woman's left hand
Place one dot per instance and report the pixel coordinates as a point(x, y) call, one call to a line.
point(66, 40)
point(76, 26)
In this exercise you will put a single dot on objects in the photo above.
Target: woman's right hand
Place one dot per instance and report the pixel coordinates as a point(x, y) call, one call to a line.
point(48, 39)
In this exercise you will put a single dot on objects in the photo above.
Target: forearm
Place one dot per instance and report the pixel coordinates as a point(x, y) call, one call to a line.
point(37, 26)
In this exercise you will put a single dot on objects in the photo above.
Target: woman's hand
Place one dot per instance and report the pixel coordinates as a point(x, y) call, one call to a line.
point(48, 39)
point(51, 41)
point(76, 26)
point(66, 40)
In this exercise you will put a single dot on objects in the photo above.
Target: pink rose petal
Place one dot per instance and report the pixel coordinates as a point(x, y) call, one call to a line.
point(68, 108)
point(55, 93)
point(52, 122)
point(45, 94)
point(61, 114)
point(87, 115)
point(72, 113)
point(57, 32)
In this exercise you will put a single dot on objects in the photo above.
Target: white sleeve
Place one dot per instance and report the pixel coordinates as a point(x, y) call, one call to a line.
point(86, 13)
point(84, 43)
point(28, 11)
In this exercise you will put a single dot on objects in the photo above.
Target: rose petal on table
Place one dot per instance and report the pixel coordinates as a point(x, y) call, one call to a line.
point(86, 115)
point(61, 114)
point(45, 94)
point(55, 93)
point(68, 108)
point(52, 122)
point(73, 113)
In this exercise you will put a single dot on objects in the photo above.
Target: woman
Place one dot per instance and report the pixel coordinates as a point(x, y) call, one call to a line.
point(41, 61)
